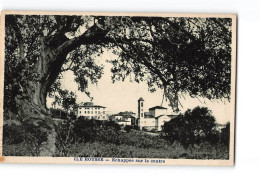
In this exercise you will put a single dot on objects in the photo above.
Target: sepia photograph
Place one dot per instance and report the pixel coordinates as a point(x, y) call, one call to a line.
point(117, 88)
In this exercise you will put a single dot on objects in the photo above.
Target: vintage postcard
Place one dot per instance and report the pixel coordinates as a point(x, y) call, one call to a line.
point(117, 88)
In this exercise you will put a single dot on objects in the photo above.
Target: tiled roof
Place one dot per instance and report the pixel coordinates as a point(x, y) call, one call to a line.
point(126, 114)
point(95, 106)
point(157, 107)
point(170, 116)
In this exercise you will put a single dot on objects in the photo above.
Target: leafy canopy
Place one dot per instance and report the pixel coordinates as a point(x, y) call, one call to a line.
point(176, 54)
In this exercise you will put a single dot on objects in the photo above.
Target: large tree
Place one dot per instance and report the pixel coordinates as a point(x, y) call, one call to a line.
point(178, 55)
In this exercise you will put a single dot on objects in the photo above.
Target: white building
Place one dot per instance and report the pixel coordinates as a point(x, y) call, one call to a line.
point(154, 119)
point(124, 118)
point(92, 111)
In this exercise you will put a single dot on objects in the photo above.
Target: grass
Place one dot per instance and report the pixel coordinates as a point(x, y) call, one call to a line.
point(136, 144)
point(99, 149)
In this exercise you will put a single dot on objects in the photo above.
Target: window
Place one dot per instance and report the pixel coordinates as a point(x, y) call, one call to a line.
point(104, 112)
point(91, 112)
point(141, 104)
point(103, 117)
point(79, 108)
point(85, 112)
point(98, 112)
point(80, 112)
point(142, 114)
point(88, 112)
point(95, 112)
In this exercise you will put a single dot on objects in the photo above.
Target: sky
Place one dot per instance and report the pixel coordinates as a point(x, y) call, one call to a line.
point(123, 96)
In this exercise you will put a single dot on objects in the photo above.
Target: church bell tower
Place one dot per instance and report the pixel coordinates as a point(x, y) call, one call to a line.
point(141, 108)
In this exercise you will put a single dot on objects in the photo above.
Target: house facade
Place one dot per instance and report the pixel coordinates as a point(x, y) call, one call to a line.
point(91, 111)
point(124, 118)
point(154, 119)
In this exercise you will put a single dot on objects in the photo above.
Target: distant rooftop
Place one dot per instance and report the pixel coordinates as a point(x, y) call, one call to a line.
point(157, 107)
point(91, 105)
point(126, 114)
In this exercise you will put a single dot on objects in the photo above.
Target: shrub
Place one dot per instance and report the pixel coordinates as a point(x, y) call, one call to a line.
point(95, 130)
point(30, 136)
point(64, 138)
point(128, 128)
point(12, 134)
point(35, 136)
point(194, 127)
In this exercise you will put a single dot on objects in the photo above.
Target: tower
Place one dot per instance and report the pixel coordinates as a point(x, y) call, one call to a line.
point(141, 108)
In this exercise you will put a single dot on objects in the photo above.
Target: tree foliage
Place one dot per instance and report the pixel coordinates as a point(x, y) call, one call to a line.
point(178, 55)
point(193, 127)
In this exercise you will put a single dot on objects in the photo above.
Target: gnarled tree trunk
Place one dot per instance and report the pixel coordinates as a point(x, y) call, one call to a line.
point(32, 104)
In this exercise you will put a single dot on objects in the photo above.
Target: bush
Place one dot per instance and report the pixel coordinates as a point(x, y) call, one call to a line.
point(12, 134)
point(95, 130)
point(35, 136)
point(128, 128)
point(194, 127)
point(28, 135)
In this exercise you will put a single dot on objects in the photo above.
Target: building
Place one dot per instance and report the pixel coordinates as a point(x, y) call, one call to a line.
point(91, 111)
point(154, 119)
point(124, 118)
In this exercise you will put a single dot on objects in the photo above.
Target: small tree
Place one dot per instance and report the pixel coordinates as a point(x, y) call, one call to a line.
point(194, 127)
point(64, 138)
